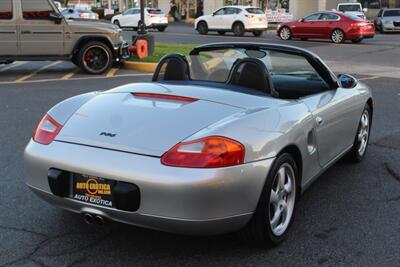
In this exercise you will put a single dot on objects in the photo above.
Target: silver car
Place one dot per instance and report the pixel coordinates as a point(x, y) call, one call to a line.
point(388, 20)
point(223, 140)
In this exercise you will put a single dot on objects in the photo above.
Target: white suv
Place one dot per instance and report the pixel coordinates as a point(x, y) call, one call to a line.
point(154, 19)
point(236, 19)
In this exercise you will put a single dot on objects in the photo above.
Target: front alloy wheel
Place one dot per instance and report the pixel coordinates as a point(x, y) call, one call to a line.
point(274, 213)
point(337, 36)
point(285, 33)
point(95, 58)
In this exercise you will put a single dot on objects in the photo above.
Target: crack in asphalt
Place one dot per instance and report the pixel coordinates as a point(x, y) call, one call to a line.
point(47, 240)
point(392, 172)
point(393, 199)
point(22, 230)
point(384, 146)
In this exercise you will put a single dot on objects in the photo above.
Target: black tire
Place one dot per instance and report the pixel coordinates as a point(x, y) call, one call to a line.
point(257, 33)
point(381, 30)
point(304, 39)
point(285, 33)
point(75, 60)
point(95, 57)
point(221, 32)
point(355, 155)
point(202, 28)
point(161, 29)
point(238, 29)
point(357, 41)
point(338, 36)
point(259, 230)
point(116, 22)
point(6, 62)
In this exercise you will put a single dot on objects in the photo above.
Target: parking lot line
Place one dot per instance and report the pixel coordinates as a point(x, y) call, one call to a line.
point(369, 78)
point(26, 77)
point(13, 65)
point(80, 78)
point(70, 74)
point(111, 72)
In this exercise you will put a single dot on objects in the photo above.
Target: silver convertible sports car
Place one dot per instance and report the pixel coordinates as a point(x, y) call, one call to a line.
point(222, 140)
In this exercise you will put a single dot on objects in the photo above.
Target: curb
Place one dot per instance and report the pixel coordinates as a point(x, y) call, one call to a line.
point(140, 66)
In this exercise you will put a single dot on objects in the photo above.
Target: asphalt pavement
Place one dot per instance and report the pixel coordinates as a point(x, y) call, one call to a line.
point(350, 216)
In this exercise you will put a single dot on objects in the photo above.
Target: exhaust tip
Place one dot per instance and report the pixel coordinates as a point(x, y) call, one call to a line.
point(88, 218)
point(99, 220)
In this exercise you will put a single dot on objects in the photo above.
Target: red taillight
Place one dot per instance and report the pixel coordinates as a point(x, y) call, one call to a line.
point(208, 152)
point(47, 130)
point(165, 97)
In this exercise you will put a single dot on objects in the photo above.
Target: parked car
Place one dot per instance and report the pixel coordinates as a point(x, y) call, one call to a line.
point(35, 30)
point(353, 8)
point(223, 140)
point(236, 19)
point(77, 13)
point(388, 20)
point(336, 26)
point(153, 18)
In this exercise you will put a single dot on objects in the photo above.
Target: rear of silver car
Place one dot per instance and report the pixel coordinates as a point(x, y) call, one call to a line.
point(125, 163)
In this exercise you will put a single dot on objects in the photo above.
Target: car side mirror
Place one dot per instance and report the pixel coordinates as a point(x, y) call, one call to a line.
point(213, 14)
point(301, 20)
point(365, 10)
point(56, 17)
point(347, 81)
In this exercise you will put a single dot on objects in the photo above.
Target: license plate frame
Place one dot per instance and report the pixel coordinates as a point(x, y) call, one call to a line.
point(92, 190)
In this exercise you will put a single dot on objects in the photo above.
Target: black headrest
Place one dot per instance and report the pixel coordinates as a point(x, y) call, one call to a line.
point(251, 73)
point(172, 67)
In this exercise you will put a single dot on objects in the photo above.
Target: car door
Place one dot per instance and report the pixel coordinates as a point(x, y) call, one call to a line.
point(307, 26)
point(326, 24)
point(127, 19)
point(8, 29)
point(336, 114)
point(216, 19)
point(229, 17)
point(38, 33)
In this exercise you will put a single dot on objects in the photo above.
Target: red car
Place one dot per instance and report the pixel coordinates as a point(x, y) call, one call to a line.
point(336, 26)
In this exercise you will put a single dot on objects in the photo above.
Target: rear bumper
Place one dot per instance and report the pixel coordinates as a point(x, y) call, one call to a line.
point(181, 200)
point(157, 25)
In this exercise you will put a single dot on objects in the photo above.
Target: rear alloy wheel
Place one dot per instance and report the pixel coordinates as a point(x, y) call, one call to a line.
point(221, 32)
point(95, 58)
point(257, 33)
point(361, 139)
point(238, 29)
point(276, 206)
point(202, 28)
point(337, 36)
point(116, 22)
point(285, 33)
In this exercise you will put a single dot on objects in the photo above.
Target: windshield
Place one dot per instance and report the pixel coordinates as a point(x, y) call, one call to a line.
point(155, 11)
point(254, 10)
point(351, 8)
point(392, 13)
point(353, 17)
point(216, 65)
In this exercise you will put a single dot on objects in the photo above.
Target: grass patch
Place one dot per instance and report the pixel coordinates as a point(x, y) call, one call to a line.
point(162, 49)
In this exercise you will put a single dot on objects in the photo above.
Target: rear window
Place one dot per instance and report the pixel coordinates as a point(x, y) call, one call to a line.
point(6, 9)
point(255, 10)
point(350, 8)
point(155, 11)
point(353, 17)
point(392, 13)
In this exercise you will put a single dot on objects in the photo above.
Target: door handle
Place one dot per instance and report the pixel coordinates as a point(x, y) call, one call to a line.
point(319, 120)
point(26, 32)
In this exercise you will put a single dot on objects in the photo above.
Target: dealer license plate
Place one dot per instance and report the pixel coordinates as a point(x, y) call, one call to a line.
point(93, 190)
